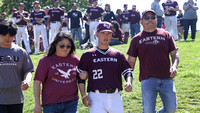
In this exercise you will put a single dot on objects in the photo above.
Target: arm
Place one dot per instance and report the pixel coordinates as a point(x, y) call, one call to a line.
point(37, 89)
point(128, 85)
point(48, 23)
point(26, 83)
point(85, 99)
point(26, 19)
point(132, 61)
point(185, 7)
point(175, 61)
point(194, 7)
point(68, 24)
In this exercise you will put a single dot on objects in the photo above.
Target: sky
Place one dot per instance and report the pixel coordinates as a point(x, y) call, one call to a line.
point(142, 5)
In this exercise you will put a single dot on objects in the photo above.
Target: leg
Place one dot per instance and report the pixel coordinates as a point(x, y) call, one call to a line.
point(186, 28)
point(80, 36)
point(51, 33)
point(116, 104)
point(174, 27)
point(168, 96)
point(159, 22)
point(137, 28)
point(73, 33)
point(193, 28)
point(44, 37)
point(92, 31)
point(132, 30)
point(97, 101)
point(149, 94)
point(19, 37)
point(26, 39)
point(36, 38)
point(52, 108)
point(70, 106)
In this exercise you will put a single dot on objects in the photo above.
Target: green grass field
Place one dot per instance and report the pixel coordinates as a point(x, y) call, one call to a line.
point(187, 82)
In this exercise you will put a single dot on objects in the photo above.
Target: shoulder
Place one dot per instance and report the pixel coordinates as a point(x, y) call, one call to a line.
point(74, 57)
point(99, 7)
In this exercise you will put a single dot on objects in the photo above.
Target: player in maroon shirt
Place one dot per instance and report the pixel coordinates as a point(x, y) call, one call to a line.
point(54, 25)
point(153, 46)
point(37, 18)
point(94, 13)
point(170, 7)
point(21, 18)
point(105, 66)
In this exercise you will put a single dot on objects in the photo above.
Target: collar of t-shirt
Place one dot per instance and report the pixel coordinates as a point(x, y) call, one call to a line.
point(104, 50)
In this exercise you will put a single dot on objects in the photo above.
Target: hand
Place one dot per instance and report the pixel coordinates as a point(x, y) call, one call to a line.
point(86, 101)
point(173, 71)
point(128, 87)
point(25, 85)
point(67, 28)
point(38, 109)
point(60, 29)
point(83, 75)
point(48, 28)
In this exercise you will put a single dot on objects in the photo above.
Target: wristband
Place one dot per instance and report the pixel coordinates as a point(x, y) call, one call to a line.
point(84, 97)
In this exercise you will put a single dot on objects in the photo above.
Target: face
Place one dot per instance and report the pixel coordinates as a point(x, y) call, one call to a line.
point(63, 48)
point(95, 3)
point(73, 7)
point(6, 41)
point(56, 4)
point(104, 37)
point(149, 21)
point(37, 8)
point(107, 7)
point(21, 7)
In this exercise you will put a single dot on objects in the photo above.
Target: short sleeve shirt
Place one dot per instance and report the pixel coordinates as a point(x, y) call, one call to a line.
point(168, 4)
point(153, 50)
point(104, 68)
point(15, 63)
point(17, 16)
point(190, 13)
point(58, 77)
point(55, 14)
point(40, 14)
point(95, 13)
point(75, 16)
point(134, 17)
point(118, 34)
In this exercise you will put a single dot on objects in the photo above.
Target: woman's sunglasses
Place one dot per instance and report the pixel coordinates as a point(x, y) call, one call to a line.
point(63, 46)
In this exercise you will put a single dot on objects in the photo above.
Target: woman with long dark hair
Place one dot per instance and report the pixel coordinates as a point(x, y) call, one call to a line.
point(58, 75)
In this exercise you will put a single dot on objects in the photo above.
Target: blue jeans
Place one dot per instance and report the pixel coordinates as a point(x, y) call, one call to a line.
point(192, 23)
point(63, 107)
point(13, 108)
point(79, 31)
point(115, 42)
point(166, 89)
point(159, 22)
point(135, 29)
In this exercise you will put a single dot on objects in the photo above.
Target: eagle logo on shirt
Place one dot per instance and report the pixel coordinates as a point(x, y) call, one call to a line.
point(65, 74)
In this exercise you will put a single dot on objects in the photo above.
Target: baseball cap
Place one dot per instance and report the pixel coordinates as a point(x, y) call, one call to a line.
point(4, 13)
point(146, 11)
point(36, 3)
point(104, 26)
point(56, 0)
point(133, 6)
point(94, 1)
point(21, 4)
point(14, 10)
point(74, 4)
point(125, 5)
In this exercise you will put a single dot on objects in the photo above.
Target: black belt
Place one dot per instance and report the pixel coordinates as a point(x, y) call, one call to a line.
point(94, 19)
point(55, 21)
point(21, 25)
point(159, 16)
point(111, 90)
point(37, 24)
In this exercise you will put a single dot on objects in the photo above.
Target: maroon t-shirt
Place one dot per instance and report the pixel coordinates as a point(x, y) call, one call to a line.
point(134, 17)
point(17, 16)
point(118, 34)
point(171, 3)
point(40, 14)
point(119, 19)
point(55, 14)
point(104, 68)
point(153, 50)
point(94, 13)
point(59, 78)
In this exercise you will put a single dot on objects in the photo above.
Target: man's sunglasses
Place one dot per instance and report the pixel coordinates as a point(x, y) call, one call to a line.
point(63, 46)
point(149, 17)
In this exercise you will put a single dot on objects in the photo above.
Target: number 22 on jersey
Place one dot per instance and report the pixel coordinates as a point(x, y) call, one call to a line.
point(97, 74)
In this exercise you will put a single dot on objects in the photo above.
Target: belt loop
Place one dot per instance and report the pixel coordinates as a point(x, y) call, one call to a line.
point(97, 91)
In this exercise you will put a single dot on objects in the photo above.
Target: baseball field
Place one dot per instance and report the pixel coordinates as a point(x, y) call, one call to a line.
point(187, 81)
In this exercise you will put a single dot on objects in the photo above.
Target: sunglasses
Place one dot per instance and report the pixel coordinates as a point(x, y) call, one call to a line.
point(149, 17)
point(63, 46)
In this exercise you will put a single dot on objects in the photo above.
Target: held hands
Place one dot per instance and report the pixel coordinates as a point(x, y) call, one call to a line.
point(25, 85)
point(86, 101)
point(38, 109)
point(83, 75)
point(128, 87)
point(173, 71)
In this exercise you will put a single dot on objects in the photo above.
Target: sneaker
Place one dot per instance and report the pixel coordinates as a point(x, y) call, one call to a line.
point(193, 40)
point(184, 40)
